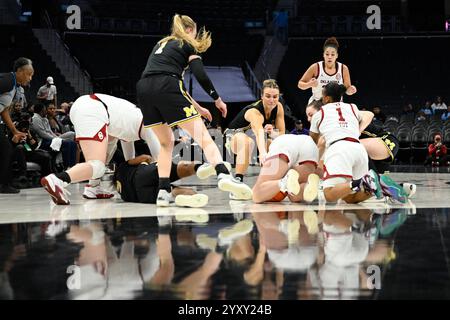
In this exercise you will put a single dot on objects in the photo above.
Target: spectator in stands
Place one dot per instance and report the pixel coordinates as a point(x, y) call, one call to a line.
point(57, 126)
point(30, 109)
point(427, 109)
point(64, 108)
point(379, 115)
point(47, 93)
point(439, 105)
point(299, 128)
point(51, 141)
point(392, 118)
point(408, 110)
point(16, 112)
point(420, 116)
point(27, 150)
point(437, 153)
point(446, 115)
point(62, 115)
point(22, 73)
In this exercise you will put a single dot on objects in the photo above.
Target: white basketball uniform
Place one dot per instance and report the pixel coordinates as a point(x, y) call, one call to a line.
point(90, 113)
point(344, 158)
point(296, 149)
point(324, 78)
point(97, 116)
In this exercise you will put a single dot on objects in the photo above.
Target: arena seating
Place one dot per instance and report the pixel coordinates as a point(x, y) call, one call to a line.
point(385, 70)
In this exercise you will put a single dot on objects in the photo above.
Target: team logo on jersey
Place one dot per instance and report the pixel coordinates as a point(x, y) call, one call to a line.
point(190, 111)
point(338, 77)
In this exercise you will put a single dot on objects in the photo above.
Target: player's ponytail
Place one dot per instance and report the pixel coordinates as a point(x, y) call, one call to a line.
point(179, 25)
point(331, 42)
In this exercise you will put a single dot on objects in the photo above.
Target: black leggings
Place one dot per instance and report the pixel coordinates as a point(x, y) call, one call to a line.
point(146, 181)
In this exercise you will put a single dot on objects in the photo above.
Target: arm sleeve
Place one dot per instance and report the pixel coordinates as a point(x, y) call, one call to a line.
point(128, 149)
point(198, 70)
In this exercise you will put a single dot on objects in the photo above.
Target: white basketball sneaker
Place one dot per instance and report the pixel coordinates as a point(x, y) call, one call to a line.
point(197, 200)
point(410, 189)
point(96, 192)
point(56, 188)
point(239, 190)
point(164, 198)
point(206, 170)
point(312, 188)
point(290, 183)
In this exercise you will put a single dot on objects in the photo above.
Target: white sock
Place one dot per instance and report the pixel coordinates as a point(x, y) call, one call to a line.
point(283, 184)
point(94, 183)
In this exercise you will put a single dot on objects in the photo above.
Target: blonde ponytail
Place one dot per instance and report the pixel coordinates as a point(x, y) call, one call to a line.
point(202, 41)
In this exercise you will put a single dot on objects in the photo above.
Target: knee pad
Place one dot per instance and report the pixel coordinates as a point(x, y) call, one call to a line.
point(98, 168)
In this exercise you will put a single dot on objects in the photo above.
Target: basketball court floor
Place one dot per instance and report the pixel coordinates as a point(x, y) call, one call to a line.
point(108, 249)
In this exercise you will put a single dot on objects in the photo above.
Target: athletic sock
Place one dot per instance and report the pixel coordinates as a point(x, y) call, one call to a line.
point(64, 176)
point(220, 168)
point(164, 184)
point(282, 184)
point(94, 182)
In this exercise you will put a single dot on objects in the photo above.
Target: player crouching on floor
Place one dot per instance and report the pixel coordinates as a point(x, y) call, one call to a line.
point(290, 169)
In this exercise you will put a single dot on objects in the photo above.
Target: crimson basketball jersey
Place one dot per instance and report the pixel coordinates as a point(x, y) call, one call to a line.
point(336, 121)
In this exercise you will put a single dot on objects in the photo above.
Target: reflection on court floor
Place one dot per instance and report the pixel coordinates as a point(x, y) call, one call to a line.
point(108, 249)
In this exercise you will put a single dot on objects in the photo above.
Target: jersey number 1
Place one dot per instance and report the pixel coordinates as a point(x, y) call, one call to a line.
point(339, 111)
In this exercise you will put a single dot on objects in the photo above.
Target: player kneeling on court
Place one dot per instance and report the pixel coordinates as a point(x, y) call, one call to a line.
point(100, 121)
point(381, 148)
point(346, 168)
point(137, 181)
point(289, 170)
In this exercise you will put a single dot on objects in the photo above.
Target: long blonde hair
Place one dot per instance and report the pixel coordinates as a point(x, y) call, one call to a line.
point(180, 23)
